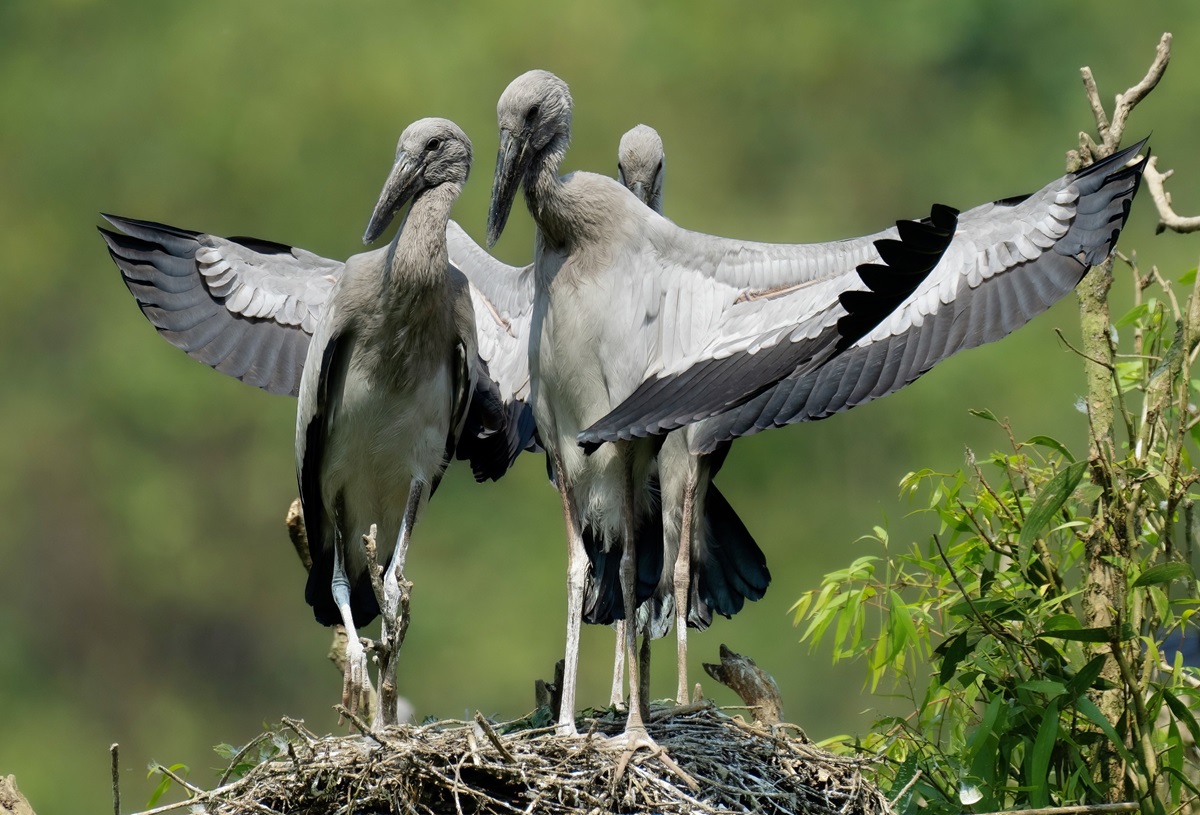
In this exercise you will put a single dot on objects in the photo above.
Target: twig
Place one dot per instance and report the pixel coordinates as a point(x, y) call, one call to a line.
point(116, 778)
point(298, 534)
point(1079, 353)
point(191, 789)
point(240, 754)
point(360, 725)
point(1110, 132)
point(1081, 809)
point(904, 791)
point(1167, 217)
point(374, 570)
point(486, 727)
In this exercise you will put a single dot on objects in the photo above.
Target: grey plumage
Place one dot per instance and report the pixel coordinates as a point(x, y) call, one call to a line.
point(641, 327)
point(620, 295)
point(248, 307)
point(381, 351)
point(385, 389)
point(1009, 261)
point(711, 562)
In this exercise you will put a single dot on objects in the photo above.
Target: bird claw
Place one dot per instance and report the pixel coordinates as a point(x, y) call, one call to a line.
point(630, 742)
point(355, 682)
point(636, 739)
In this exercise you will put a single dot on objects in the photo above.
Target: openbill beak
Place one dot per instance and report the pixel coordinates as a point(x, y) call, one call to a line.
point(403, 183)
point(512, 161)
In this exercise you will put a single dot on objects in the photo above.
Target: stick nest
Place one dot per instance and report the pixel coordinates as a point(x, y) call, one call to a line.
point(714, 763)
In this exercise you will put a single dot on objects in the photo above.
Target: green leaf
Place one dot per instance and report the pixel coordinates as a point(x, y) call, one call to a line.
point(1039, 762)
point(1053, 444)
point(1183, 779)
point(1086, 675)
point(1046, 686)
point(1182, 712)
point(904, 774)
point(1188, 277)
point(1049, 501)
point(1088, 708)
point(1164, 573)
point(1062, 622)
point(954, 651)
point(984, 414)
point(1107, 634)
point(1133, 315)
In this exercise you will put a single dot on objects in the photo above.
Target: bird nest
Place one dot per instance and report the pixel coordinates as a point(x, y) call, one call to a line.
point(709, 762)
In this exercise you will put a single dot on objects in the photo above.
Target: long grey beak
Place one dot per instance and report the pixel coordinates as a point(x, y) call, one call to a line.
point(511, 162)
point(639, 189)
point(402, 184)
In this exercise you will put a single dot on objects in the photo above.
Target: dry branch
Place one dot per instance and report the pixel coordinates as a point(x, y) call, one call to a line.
point(12, 802)
point(1167, 217)
point(751, 683)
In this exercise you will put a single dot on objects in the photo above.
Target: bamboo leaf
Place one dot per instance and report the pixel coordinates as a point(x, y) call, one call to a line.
point(1086, 675)
point(1182, 712)
point(1053, 444)
point(985, 414)
point(1164, 573)
point(954, 651)
point(1039, 762)
point(1088, 708)
point(1049, 501)
point(1108, 634)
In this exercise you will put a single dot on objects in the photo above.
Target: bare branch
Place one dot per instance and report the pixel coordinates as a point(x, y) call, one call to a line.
point(1110, 132)
point(1126, 102)
point(1167, 217)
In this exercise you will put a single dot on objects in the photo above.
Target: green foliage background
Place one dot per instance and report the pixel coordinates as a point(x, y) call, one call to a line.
point(148, 594)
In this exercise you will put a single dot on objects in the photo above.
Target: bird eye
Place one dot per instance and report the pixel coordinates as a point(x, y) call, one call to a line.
point(433, 144)
point(533, 112)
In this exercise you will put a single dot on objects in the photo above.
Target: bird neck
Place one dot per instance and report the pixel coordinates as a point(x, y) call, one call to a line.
point(418, 252)
point(544, 189)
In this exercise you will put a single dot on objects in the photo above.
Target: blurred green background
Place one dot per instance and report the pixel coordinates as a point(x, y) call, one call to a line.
point(148, 593)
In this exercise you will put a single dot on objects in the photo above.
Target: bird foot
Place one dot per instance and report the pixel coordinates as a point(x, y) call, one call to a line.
point(636, 738)
point(355, 682)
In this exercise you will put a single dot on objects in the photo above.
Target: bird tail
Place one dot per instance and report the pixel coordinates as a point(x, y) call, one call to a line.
point(728, 568)
point(602, 602)
point(494, 433)
point(318, 592)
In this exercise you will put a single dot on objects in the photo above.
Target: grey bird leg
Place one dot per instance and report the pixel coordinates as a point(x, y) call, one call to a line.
point(393, 627)
point(577, 564)
point(683, 579)
point(635, 726)
point(617, 698)
point(354, 679)
point(644, 674)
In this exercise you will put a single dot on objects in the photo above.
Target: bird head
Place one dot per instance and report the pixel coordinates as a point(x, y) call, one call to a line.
point(430, 152)
point(640, 165)
point(534, 114)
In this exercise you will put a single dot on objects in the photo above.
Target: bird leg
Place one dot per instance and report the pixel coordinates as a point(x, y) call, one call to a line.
point(577, 564)
point(683, 581)
point(354, 678)
point(617, 698)
point(644, 674)
point(635, 735)
point(395, 610)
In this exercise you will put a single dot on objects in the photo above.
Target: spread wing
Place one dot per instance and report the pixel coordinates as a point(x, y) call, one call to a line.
point(502, 297)
point(1005, 262)
point(248, 307)
point(502, 300)
point(244, 306)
